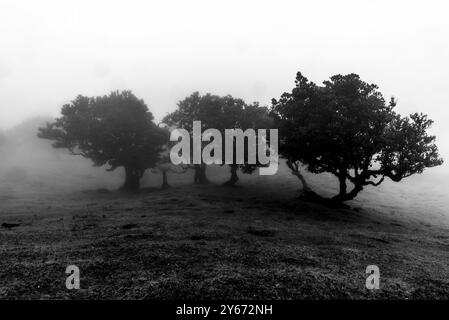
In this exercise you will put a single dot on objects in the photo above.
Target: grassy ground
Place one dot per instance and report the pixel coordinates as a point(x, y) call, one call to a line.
point(211, 242)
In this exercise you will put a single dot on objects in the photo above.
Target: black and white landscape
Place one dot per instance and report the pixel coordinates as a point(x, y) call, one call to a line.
point(90, 92)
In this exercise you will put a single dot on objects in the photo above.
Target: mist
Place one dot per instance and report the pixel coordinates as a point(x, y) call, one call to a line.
point(152, 230)
point(30, 166)
point(52, 51)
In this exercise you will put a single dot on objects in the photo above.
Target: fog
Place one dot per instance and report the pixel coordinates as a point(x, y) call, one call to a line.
point(53, 50)
point(30, 166)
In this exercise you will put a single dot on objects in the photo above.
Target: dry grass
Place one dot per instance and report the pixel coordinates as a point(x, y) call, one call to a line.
point(211, 242)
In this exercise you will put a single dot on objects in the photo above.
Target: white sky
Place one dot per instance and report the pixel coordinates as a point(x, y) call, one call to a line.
point(50, 51)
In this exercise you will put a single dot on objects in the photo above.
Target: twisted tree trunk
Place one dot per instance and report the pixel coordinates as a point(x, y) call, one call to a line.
point(234, 176)
point(344, 196)
point(337, 201)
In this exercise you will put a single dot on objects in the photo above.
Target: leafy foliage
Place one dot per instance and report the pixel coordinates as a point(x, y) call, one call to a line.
point(345, 127)
point(116, 130)
point(220, 112)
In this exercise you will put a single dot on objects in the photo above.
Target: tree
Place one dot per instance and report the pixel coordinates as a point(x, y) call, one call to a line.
point(250, 116)
point(116, 130)
point(164, 167)
point(345, 127)
point(218, 112)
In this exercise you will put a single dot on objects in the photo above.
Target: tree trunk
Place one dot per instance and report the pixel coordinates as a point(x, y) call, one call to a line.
point(295, 170)
point(200, 174)
point(343, 196)
point(132, 180)
point(165, 184)
point(342, 180)
point(335, 202)
point(234, 177)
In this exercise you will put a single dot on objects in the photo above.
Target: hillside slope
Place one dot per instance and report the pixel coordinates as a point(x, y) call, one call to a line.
point(210, 242)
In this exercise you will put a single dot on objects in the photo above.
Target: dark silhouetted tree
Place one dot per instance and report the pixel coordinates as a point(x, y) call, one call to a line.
point(116, 130)
point(345, 127)
point(164, 167)
point(188, 111)
point(250, 116)
point(218, 112)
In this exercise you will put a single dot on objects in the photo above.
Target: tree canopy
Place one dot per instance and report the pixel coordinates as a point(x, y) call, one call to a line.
point(116, 130)
point(345, 127)
point(219, 112)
